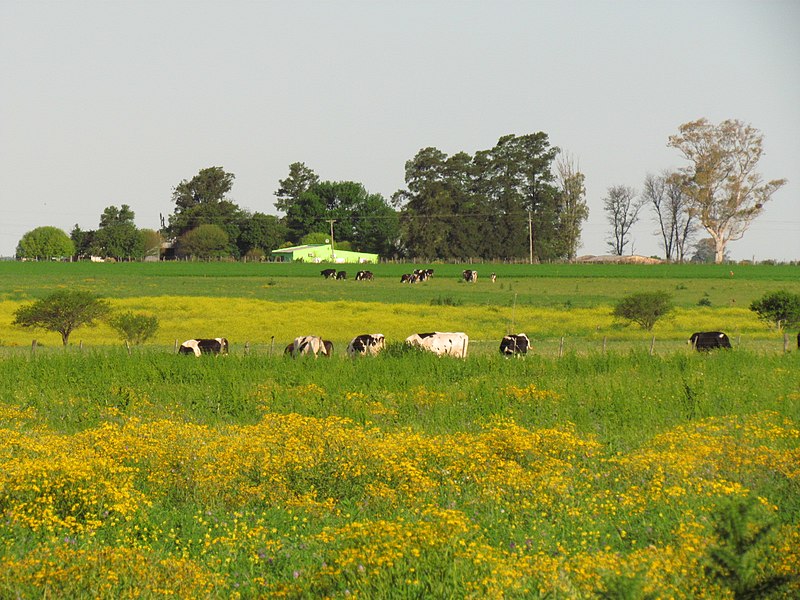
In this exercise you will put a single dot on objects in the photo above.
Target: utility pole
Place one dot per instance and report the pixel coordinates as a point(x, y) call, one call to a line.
point(530, 236)
point(333, 253)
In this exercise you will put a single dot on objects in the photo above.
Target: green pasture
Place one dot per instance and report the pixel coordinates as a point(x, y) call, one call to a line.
point(264, 306)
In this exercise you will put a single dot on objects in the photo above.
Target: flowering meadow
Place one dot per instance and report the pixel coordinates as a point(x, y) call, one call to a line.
point(616, 475)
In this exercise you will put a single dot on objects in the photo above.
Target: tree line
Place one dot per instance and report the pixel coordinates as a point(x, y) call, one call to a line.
point(521, 199)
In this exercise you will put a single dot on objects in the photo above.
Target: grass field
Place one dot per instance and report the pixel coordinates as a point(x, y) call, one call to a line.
point(615, 474)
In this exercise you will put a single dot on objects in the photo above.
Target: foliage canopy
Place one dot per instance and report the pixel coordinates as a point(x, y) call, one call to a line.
point(644, 308)
point(63, 312)
point(45, 243)
point(780, 309)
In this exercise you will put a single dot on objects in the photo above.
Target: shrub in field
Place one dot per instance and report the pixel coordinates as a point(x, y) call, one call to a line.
point(62, 311)
point(134, 328)
point(781, 308)
point(644, 308)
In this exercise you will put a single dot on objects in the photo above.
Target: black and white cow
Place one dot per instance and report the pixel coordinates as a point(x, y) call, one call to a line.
point(328, 273)
point(441, 343)
point(366, 344)
point(200, 346)
point(341, 275)
point(309, 345)
point(493, 277)
point(364, 276)
point(470, 276)
point(709, 340)
point(405, 278)
point(512, 344)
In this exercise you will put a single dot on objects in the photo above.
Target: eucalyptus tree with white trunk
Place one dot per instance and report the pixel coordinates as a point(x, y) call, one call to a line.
point(726, 191)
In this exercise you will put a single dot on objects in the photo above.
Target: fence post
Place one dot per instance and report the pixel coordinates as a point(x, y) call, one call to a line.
point(176, 347)
point(561, 347)
point(128, 347)
point(785, 342)
point(80, 345)
point(271, 345)
point(246, 348)
point(33, 347)
point(604, 343)
point(652, 345)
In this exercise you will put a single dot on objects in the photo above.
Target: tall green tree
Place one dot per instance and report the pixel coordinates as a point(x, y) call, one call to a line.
point(438, 208)
point(300, 179)
point(44, 243)
point(726, 191)
point(204, 242)
point(365, 220)
point(203, 200)
point(117, 235)
point(262, 232)
point(517, 183)
point(462, 206)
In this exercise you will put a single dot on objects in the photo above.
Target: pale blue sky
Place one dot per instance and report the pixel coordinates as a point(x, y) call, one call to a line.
point(115, 102)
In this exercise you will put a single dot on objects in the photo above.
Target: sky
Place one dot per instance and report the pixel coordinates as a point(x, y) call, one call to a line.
point(117, 101)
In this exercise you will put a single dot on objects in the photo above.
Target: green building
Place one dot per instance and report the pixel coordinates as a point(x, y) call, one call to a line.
point(316, 253)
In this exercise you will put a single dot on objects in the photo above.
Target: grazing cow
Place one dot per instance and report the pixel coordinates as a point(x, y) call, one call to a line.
point(405, 278)
point(493, 277)
point(200, 346)
point(421, 274)
point(328, 273)
point(366, 344)
point(341, 275)
point(310, 344)
point(470, 276)
point(708, 340)
point(512, 345)
point(451, 344)
point(364, 276)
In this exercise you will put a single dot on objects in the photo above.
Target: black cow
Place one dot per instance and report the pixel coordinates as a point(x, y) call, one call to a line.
point(200, 346)
point(364, 276)
point(470, 276)
point(341, 275)
point(365, 344)
point(709, 340)
point(328, 273)
point(512, 344)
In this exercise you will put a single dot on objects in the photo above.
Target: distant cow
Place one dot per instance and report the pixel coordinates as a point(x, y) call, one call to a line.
point(451, 344)
point(709, 340)
point(309, 344)
point(200, 346)
point(512, 344)
point(341, 275)
point(405, 278)
point(493, 277)
point(328, 273)
point(364, 276)
point(470, 276)
point(366, 344)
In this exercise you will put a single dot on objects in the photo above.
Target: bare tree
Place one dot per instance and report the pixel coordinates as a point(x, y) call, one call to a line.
point(672, 207)
point(726, 191)
point(572, 202)
point(622, 207)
